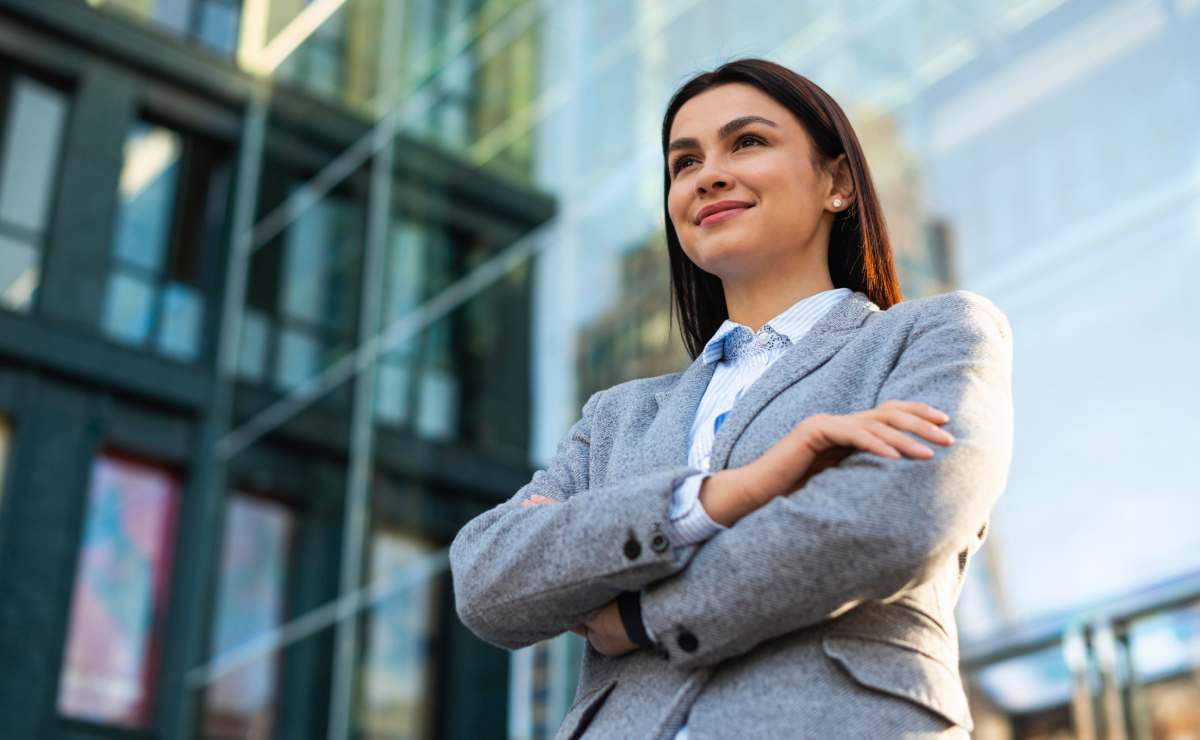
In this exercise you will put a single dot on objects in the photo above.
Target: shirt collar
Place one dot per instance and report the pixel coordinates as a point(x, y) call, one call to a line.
point(793, 323)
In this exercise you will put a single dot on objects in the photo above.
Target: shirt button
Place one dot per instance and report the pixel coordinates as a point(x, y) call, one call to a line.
point(761, 339)
point(707, 462)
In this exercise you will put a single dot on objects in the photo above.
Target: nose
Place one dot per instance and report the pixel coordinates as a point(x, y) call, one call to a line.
point(712, 178)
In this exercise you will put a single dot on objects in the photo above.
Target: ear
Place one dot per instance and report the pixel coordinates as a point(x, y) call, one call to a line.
point(841, 183)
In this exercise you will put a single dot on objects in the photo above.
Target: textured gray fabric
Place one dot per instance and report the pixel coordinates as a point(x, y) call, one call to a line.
point(827, 613)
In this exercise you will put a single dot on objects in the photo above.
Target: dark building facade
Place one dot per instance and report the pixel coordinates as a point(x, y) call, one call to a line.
point(154, 584)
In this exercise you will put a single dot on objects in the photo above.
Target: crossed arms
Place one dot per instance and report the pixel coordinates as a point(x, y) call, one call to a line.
point(868, 529)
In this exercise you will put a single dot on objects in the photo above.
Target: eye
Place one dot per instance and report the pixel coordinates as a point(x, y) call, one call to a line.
point(678, 165)
point(750, 137)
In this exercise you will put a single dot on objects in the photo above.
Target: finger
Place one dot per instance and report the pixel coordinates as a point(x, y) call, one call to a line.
point(864, 439)
point(924, 410)
point(908, 446)
point(912, 423)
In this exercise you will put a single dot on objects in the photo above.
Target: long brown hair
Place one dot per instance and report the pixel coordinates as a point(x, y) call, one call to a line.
point(860, 253)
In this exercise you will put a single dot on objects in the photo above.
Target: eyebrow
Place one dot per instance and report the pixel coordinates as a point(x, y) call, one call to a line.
point(722, 133)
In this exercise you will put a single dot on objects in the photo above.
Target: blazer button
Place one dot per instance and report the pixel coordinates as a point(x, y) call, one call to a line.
point(633, 548)
point(659, 543)
point(688, 642)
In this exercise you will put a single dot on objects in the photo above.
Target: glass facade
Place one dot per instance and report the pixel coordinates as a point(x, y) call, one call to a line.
point(33, 119)
point(398, 666)
point(357, 265)
point(241, 703)
point(213, 24)
point(5, 444)
point(169, 208)
point(114, 640)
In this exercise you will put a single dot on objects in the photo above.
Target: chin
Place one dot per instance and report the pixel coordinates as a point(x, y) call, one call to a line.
point(724, 259)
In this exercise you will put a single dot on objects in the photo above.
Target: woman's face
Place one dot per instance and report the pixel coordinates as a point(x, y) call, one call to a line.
point(736, 143)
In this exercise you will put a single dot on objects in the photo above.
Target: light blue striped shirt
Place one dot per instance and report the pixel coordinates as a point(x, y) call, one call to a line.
point(739, 364)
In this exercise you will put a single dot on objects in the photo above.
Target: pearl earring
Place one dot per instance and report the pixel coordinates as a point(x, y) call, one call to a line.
point(837, 202)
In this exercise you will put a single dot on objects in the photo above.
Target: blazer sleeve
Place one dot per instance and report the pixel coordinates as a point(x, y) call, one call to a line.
point(522, 575)
point(870, 528)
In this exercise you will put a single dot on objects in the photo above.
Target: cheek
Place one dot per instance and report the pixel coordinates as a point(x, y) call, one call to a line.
point(677, 210)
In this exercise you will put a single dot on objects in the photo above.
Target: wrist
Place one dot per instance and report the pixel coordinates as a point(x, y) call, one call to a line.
point(730, 494)
point(780, 468)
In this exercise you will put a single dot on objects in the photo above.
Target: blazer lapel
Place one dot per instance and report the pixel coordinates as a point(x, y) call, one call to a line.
point(668, 434)
point(827, 336)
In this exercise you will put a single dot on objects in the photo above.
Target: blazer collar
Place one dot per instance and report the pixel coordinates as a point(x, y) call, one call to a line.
point(678, 403)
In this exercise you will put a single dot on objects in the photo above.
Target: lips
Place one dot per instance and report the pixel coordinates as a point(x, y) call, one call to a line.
point(724, 205)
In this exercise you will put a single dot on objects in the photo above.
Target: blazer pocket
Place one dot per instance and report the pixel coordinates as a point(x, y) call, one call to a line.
point(580, 715)
point(904, 672)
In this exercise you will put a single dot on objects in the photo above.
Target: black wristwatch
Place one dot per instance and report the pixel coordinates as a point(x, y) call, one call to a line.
point(629, 606)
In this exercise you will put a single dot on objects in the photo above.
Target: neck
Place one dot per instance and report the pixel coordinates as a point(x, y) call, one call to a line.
point(753, 300)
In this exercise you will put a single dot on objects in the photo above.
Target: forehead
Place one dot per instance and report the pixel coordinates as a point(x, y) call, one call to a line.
point(701, 116)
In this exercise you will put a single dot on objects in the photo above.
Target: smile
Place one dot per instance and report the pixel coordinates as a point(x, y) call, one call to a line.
point(725, 215)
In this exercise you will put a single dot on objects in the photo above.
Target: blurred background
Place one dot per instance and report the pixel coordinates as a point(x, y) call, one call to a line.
point(290, 291)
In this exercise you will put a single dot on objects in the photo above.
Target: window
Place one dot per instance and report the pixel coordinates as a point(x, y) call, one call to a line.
point(154, 298)
point(115, 633)
point(250, 604)
point(317, 64)
point(30, 142)
point(398, 662)
point(302, 301)
point(5, 442)
point(214, 23)
point(415, 383)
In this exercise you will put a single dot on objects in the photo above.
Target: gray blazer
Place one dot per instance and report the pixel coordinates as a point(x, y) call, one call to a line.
point(827, 613)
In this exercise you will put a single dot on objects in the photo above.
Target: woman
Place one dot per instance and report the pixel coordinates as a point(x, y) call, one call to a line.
point(760, 546)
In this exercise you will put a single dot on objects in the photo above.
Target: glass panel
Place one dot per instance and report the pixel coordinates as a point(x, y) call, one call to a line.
point(1028, 685)
point(173, 14)
point(31, 147)
point(398, 665)
point(5, 441)
point(218, 25)
point(250, 604)
point(1166, 661)
point(113, 642)
point(438, 413)
point(392, 384)
point(19, 272)
point(306, 256)
point(254, 339)
point(179, 330)
point(129, 308)
point(147, 196)
point(320, 255)
point(299, 358)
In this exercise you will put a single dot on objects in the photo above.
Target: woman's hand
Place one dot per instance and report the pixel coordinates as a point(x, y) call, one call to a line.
point(538, 500)
point(877, 430)
point(824, 440)
point(819, 442)
point(604, 631)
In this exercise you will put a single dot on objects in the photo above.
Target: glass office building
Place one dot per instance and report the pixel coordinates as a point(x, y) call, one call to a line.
point(292, 289)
